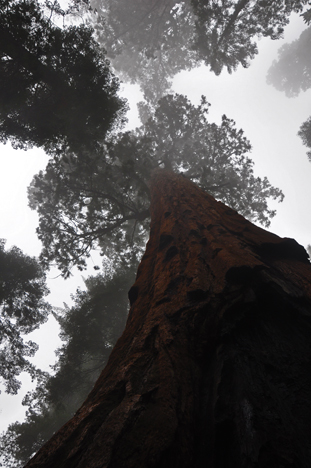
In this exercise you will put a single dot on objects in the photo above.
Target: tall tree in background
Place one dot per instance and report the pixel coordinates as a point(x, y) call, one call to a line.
point(103, 201)
point(213, 368)
point(57, 90)
point(89, 331)
point(291, 73)
point(22, 310)
point(227, 30)
point(150, 42)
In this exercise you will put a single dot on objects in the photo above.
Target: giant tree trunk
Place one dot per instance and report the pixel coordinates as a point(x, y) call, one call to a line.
point(213, 369)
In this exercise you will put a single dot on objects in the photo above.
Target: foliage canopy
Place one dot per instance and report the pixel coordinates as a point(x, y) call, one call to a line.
point(57, 90)
point(89, 330)
point(227, 30)
point(291, 73)
point(150, 42)
point(22, 310)
point(305, 134)
point(102, 199)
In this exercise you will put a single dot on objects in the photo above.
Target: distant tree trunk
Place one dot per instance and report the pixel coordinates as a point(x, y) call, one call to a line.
point(213, 369)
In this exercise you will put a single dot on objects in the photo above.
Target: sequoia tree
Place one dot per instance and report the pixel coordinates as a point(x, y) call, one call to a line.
point(213, 368)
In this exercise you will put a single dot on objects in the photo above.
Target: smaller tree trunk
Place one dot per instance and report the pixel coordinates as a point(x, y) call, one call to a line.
point(214, 366)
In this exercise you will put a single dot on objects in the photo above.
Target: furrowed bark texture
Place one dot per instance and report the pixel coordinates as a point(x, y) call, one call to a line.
point(213, 369)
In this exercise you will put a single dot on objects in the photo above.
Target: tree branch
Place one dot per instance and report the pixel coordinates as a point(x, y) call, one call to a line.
point(14, 49)
point(239, 7)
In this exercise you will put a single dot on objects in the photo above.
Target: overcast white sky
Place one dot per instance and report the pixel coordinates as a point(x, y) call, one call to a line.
point(270, 121)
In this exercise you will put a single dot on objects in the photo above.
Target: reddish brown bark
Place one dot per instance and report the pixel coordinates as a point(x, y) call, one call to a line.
point(213, 368)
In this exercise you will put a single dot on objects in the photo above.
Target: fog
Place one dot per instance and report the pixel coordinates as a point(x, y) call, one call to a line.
point(270, 121)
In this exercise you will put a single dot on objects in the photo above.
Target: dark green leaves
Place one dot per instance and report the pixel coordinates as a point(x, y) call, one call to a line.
point(22, 310)
point(57, 90)
point(213, 156)
point(101, 200)
point(94, 201)
point(89, 330)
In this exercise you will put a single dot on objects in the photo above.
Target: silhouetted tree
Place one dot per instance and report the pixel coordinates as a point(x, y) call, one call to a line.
point(291, 73)
point(305, 134)
point(22, 310)
point(57, 90)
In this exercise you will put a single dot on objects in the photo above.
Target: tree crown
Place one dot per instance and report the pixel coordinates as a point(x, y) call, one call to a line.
point(57, 88)
point(291, 73)
point(102, 199)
